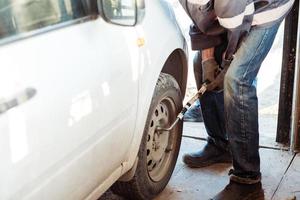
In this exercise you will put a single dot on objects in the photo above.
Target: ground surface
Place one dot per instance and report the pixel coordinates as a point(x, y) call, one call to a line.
point(280, 169)
point(281, 179)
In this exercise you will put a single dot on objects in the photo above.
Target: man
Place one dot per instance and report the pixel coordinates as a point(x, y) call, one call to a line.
point(251, 27)
point(212, 103)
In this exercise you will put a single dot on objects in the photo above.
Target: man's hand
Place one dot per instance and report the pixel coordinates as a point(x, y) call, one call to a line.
point(218, 82)
point(209, 65)
point(209, 70)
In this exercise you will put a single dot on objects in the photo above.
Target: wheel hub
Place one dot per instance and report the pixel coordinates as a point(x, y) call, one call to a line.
point(159, 143)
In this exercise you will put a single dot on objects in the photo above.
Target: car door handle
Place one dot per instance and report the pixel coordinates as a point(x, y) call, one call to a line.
point(17, 99)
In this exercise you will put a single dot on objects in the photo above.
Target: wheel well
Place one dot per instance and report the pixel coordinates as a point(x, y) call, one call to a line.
point(177, 66)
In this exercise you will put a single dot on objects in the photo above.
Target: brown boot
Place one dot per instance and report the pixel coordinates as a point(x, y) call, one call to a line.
point(238, 191)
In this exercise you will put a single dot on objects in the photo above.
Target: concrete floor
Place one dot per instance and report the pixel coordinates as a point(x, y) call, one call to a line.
point(280, 169)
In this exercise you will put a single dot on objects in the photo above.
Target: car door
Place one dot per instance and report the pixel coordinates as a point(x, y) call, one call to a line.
point(68, 98)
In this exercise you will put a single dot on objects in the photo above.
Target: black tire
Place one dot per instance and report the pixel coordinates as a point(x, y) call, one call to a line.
point(145, 184)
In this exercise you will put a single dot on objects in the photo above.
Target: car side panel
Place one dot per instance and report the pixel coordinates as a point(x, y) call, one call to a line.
point(75, 132)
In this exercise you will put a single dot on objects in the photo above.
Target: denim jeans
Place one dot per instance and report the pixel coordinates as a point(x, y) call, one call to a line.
point(240, 100)
point(212, 105)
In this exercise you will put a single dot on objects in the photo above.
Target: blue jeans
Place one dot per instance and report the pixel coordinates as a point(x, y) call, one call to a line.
point(212, 105)
point(240, 100)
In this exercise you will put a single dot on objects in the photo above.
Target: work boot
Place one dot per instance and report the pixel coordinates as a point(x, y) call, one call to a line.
point(238, 191)
point(209, 155)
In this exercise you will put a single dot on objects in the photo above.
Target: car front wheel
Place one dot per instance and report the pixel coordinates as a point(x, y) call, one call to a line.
point(158, 151)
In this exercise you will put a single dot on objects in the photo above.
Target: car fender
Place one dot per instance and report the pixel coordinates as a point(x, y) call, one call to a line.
point(158, 48)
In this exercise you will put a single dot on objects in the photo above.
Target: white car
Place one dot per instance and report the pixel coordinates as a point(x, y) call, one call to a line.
point(83, 86)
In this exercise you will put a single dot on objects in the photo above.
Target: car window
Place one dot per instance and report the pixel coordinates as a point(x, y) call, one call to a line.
point(21, 16)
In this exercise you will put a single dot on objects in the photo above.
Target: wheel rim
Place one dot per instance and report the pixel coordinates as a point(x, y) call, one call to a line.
point(160, 144)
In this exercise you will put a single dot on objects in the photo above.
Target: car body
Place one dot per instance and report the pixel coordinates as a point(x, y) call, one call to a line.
point(75, 92)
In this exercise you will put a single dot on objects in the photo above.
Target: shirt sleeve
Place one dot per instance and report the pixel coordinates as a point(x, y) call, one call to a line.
point(203, 16)
point(236, 17)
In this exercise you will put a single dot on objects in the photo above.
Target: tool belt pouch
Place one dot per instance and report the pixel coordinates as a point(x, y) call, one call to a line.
point(200, 41)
